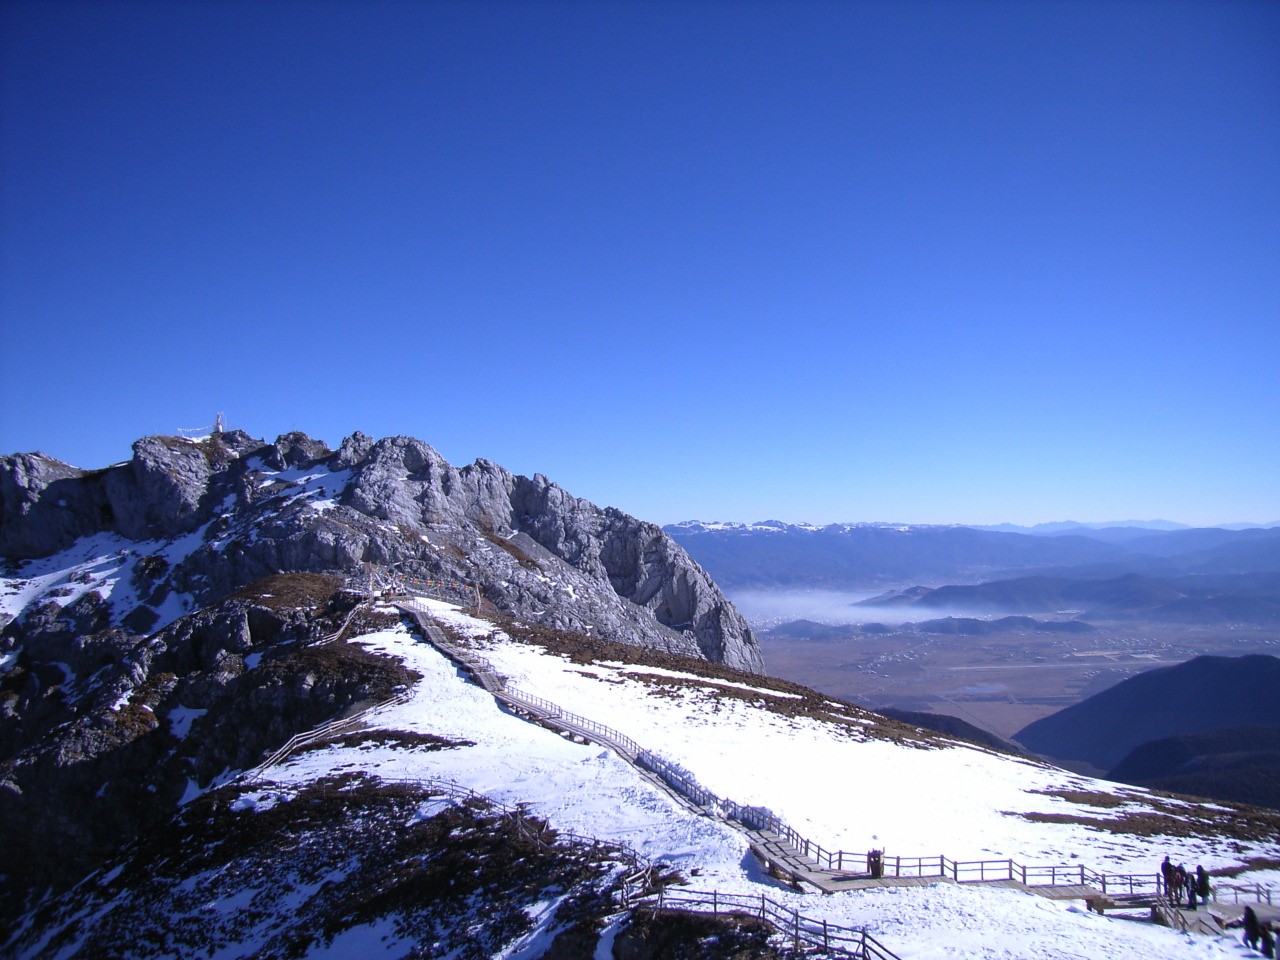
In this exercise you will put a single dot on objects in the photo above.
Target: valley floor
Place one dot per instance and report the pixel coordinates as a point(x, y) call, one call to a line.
point(1002, 680)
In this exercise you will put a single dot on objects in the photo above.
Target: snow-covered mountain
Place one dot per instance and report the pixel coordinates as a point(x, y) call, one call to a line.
point(216, 741)
point(184, 523)
point(148, 592)
point(257, 867)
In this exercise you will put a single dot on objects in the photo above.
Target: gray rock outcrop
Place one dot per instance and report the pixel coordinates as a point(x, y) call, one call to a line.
point(248, 508)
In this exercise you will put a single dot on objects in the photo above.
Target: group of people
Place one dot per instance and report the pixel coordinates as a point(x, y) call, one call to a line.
point(1180, 884)
point(1183, 886)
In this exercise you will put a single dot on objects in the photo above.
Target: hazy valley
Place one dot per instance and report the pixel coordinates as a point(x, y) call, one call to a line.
point(995, 627)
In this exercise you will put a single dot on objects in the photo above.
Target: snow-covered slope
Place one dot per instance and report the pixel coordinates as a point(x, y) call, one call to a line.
point(831, 773)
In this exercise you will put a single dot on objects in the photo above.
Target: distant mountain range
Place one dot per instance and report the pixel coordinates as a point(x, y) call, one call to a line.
point(1131, 527)
point(773, 554)
point(1073, 526)
point(1188, 575)
point(1241, 598)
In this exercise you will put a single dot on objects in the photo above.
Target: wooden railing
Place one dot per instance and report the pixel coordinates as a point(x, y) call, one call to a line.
point(758, 818)
point(1246, 893)
point(800, 931)
point(330, 638)
point(1168, 915)
point(321, 732)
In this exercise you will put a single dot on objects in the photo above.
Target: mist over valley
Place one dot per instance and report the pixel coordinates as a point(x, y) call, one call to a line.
point(995, 627)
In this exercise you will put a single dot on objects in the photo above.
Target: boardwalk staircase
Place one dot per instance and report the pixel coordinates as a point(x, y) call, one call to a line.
point(796, 859)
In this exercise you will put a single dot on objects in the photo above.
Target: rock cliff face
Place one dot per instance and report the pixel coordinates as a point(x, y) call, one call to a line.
point(226, 511)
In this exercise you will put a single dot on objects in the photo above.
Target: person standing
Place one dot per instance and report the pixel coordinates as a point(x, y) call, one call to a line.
point(1252, 930)
point(1268, 940)
point(1166, 872)
point(1202, 884)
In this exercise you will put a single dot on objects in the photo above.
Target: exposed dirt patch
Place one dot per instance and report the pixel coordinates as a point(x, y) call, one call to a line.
point(288, 591)
point(1257, 863)
point(407, 739)
point(713, 680)
point(1090, 798)
point(519, 555)
point(675, 935)
point(1169, 817)
point(368, 620)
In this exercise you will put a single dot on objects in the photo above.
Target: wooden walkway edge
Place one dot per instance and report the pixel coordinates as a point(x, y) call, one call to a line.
point(775, 850)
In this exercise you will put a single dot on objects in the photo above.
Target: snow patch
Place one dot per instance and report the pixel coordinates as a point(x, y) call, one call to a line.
point(181, 718)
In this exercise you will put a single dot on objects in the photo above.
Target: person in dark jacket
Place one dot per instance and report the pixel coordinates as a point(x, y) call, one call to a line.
point(1252, 929)
point(1268, 940)
point(1166, 874)
point(1202, 884)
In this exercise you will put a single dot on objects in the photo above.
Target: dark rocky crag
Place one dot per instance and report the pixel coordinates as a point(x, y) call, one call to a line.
point(180, 650)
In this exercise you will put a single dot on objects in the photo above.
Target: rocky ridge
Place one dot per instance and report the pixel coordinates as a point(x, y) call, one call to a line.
point(248, 509)
point(160, 618)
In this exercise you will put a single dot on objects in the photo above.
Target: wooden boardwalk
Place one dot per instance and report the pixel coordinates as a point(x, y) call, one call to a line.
point(778, 851)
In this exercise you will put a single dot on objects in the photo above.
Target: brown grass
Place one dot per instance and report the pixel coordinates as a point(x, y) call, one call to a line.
point(798, 701)
point(520, 556)
point(1166, 815)
point(282, 591)
point(368, 739)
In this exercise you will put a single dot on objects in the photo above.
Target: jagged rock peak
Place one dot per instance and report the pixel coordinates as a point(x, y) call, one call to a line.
point(247, 508)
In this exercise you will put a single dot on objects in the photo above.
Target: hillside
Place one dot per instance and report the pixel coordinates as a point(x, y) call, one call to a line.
point(160, 618)
point(218, 738)
point(1203, 694)
point(1240, 764)
point(840, 774)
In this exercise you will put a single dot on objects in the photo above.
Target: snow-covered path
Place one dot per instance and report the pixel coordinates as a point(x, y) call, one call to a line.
point(751, 754)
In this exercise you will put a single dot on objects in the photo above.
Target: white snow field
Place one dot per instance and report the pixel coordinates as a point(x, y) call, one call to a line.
point(837, 789)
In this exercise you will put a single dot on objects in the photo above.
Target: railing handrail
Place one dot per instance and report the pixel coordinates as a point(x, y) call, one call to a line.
point(790, 923)
point(321, 732)
point(330, 638)
point(1001, 869)
point(645, 868)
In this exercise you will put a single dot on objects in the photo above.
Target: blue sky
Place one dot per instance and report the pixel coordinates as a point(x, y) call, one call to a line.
point(925, 262)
